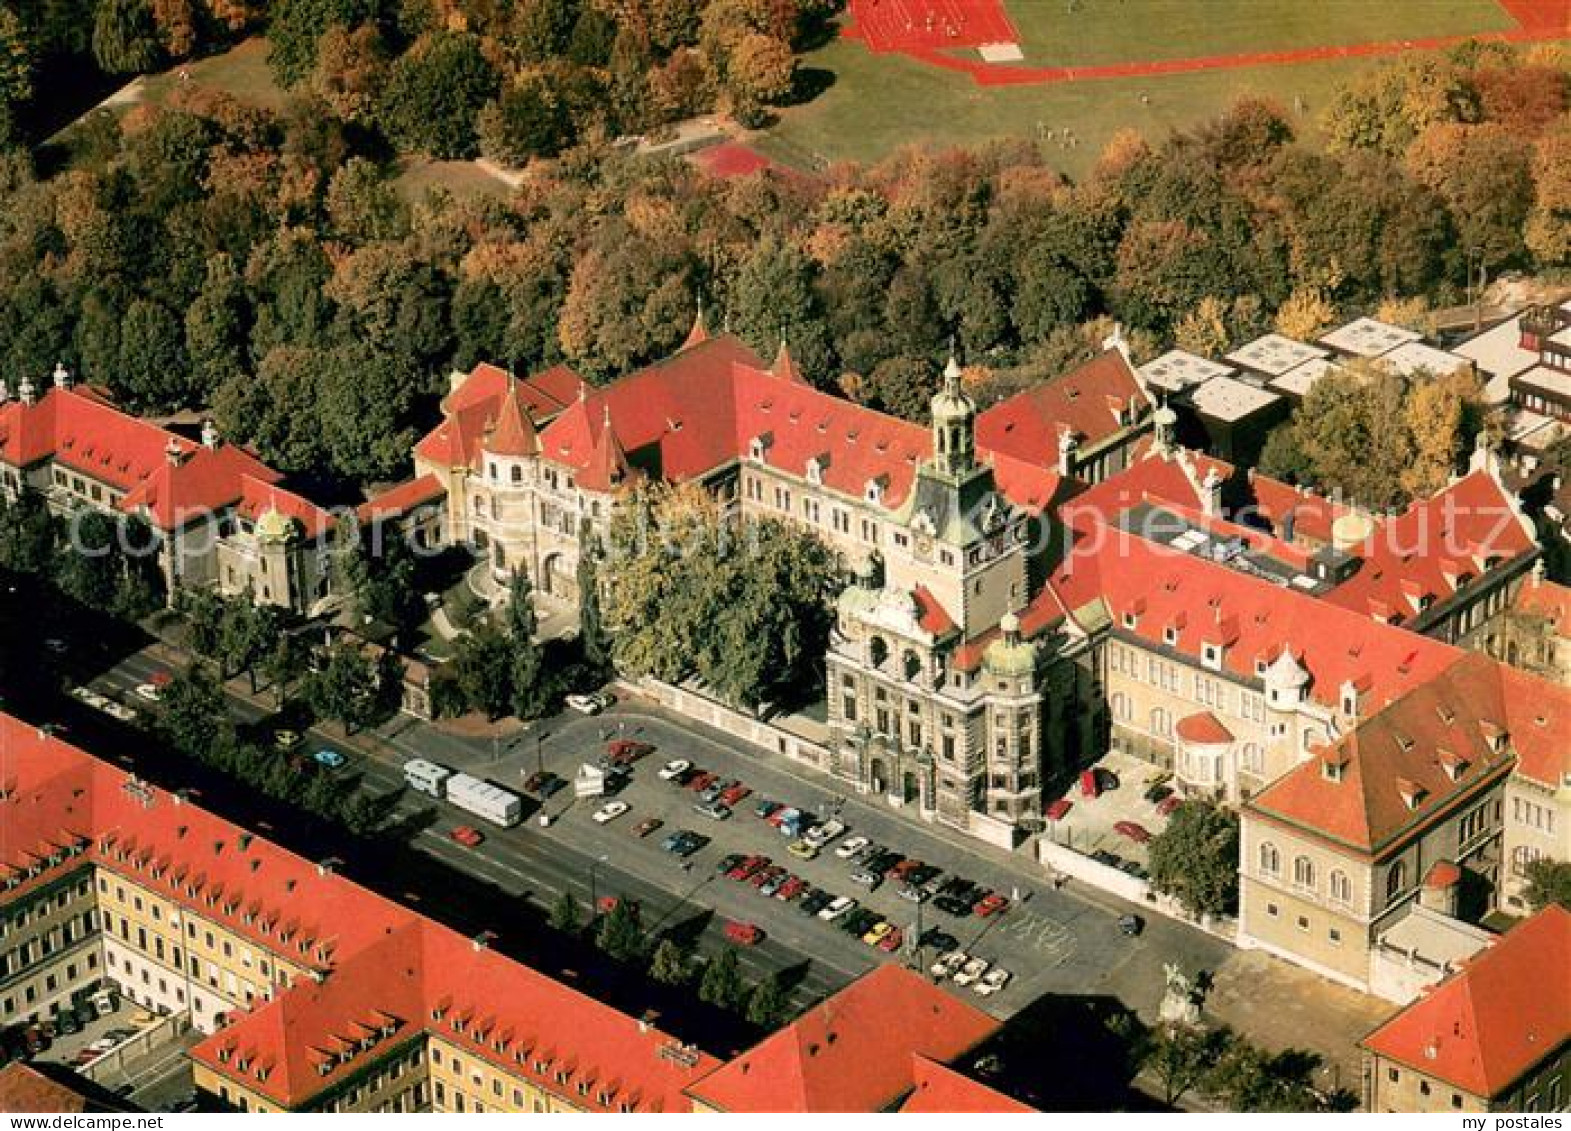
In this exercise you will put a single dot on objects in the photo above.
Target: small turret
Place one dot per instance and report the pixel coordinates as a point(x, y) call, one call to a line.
point(1165, 428)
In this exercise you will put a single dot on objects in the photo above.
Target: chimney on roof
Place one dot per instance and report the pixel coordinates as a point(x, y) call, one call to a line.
point(1538, 566)
point(1068, 445)
point(26, 391)
point(5, 391)
point(174, 453)
point(1484, 457)
point(1211, 494)
point(1117, 341)
point(62, 376)
point(209, 434)
point(329, 866)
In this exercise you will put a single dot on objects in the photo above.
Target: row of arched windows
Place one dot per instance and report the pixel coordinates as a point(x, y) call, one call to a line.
point(1304, 873)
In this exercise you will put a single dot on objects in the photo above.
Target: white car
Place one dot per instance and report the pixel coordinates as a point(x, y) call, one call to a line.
point(821, 835)
point(149, 692)
point(850, 847)
point(971, 971)
point(840, 905)
point(995, 979)
point(947, 964)
point(590, 704)
point(674, 769)
point(610, 811)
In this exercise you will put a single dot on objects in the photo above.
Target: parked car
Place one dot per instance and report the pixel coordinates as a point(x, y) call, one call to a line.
point(803, 850)
point(783, 814)
point(765, 875)
point(791, 889)
point(912, 894)
point(824, 833)
point(328, 758)
point(774, 884)
point(746, 867)
point(892, 941)
point(766, 808)
point(535, 780)
point(971, 971)
point(684, 842)
point(941, 941)
point(646, 826)
point(743, 934)
point(731, 860)
point(610, 811)
point(735, 795)
point(989, 905)
point(857, 923)
point(713, 810)
point(626, 751)
point(993, 981)
point(849, 847)
point(1132, 831)
point(700, 781)
point(877, 932)
point(1089, 785)
point(591, 704)
point(1130, 925)
point(836, 907)
point(552, 786)
point(674, 770)
point(1168, 804)
point(815, 901)
point(921, 875)
point(948, 964)
point(468, 836)
point(714, 789)
point(867, 879)
point(1059, 809)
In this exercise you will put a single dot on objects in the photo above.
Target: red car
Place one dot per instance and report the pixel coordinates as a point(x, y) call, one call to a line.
point(792, 888)
point(990, 904)
point(626, 751)
point(891, 942)
point(1168, 804)
point(1059, 809)
point(700, 781)
point(468, 836)
point(761, 877)
point(609, 903)
point(1089, 785)
point(647, 826)
point(1134, 832)
point(747, 867)
point(903, 869)
point(734, 795)
point(743, 934)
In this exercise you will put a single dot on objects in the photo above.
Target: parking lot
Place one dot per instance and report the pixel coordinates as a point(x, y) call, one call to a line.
point(1047, 940)
point(129, 1050)
point(1109, 825)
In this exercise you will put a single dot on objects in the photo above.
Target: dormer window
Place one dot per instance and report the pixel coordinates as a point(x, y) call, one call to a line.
point(1170, 635)
point(874, 492)
point(1130, 620)
point(759, 447)
point(1211, 655)
point(816, 467)
point(1330, 770)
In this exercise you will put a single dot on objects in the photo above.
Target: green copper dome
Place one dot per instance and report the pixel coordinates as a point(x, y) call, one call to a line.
point(276, 529)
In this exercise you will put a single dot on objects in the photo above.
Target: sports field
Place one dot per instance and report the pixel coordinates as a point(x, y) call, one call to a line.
point(914, 70)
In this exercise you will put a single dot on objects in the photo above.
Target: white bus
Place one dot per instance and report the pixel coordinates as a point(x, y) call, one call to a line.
point(492, 802)
point(426, 777)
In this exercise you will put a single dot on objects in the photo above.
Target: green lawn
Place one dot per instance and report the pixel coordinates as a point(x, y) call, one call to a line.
point(878, 103)
point(464, 179)
point(1119, 31)
point(241, 71)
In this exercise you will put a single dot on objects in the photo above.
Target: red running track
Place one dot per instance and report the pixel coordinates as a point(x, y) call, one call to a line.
point(1536, 20)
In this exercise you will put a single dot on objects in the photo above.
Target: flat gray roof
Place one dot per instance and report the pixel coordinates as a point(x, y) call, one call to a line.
point(1498, 351)
point(1176, 370)
point(1547, 379)
point(1228, 399)
point(1416, 357)
point(1367, 337)
point(1298, 380)
point(1274, 354)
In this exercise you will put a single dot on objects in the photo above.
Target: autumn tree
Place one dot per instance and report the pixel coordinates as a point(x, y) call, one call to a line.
point(1195, 859)
point(434, 92)
point(350, 71)
point(125, 39)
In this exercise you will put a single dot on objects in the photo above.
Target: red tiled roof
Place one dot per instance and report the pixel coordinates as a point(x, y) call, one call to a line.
point(24, 1088)
point(941, 1090)
point(1538, 719)
point(852, 1053)
point(258, 496)
point(1153, 477)
point(168, 479)
point(1087, 401)
point(514, 434)
point(477, 403)
point(1312, 515)
point(1403, 765)
point(1434, 547)
point(1204, 729)
point(1548, 600)
point(933, 618)
point(1486, 1026)
point(401, 499)
point(380, 964)
point(1443, 874)
point(1165, 588)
